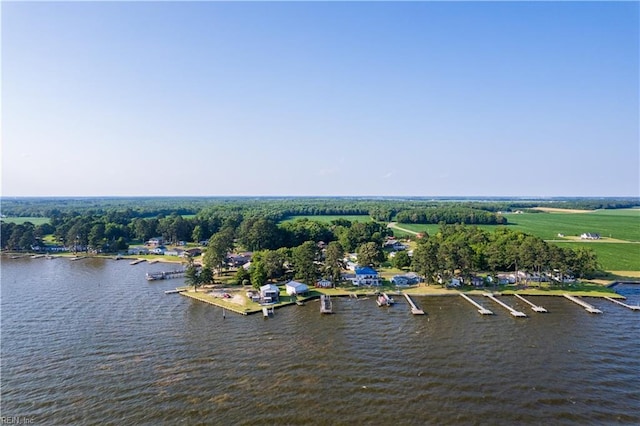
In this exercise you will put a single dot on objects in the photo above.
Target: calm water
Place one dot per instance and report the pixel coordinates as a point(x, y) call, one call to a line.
point(92, 342)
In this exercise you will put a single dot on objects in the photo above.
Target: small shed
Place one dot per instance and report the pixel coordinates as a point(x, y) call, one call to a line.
point(269, 293)
point(296, 288)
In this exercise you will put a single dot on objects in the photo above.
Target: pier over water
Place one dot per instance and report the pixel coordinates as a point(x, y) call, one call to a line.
point(507, 307)
point(632, 307)
point(587, 307)
point(414, 308)
point(481, 309)
point(534, 307)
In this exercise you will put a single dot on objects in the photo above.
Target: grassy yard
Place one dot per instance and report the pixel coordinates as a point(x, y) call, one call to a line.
point(20, 220)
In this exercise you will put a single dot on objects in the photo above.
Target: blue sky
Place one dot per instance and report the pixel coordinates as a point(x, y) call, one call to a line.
point(220, 98)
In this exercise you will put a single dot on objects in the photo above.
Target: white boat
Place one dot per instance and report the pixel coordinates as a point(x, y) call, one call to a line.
point(384, 300)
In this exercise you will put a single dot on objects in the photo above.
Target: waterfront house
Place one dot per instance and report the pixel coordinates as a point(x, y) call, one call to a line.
point(324, 283)
point(269, 293)
point(138, 250)
point(294, 288)
point(155, 241)
point(236, 260)
point(366, 276)
point(253, 295)
point(158, 250)
point(455, 282)
point(193, 252)
point(174, 252)
point(477, 281)
point(409, 278)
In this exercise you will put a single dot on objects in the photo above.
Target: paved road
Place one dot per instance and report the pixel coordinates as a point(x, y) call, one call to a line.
point(394, 225)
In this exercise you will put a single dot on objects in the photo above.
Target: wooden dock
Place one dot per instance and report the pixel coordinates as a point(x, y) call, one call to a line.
point(326, 306)
point(632, 307)
point(266, 312)
point(512, 311)
point(154, 276)
point(589, 308)
point(135, 262)
point(535, 308)
point(414, 308)
point(481, 309)
point(176, 291)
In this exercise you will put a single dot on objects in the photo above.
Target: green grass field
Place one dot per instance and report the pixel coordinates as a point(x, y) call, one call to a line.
point(329, 218)
point(622, 224)
point(19, 220)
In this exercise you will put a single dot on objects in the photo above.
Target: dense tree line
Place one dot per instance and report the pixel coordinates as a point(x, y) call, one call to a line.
point(450, 215)
point(279, 208)
point(463, 250)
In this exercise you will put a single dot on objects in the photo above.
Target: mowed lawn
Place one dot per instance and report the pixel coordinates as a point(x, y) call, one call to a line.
point(20, 220)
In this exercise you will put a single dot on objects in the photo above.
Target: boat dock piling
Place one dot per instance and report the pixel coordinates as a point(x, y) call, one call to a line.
point(512, 311)
point(414, 308)
point(481, 309)
point(326, 307)
point(589, 308)
point(534, 307)
point(632, 307)
point(153, 276)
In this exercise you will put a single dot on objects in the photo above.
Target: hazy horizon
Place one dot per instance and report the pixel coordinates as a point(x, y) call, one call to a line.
point(225, 99)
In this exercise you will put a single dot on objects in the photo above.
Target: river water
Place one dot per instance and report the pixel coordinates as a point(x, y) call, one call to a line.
point(92, 342)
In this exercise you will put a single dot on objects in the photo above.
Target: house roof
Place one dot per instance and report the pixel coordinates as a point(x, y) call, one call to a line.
point(271, 287)
point(297, 285)
point(365, 270)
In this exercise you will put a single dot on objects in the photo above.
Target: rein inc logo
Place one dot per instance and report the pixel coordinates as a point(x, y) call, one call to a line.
point(17, 420)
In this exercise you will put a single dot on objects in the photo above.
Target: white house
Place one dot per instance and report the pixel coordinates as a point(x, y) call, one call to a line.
point(324, 283)
point(366, 276)
point(406, 279)
point(138, 250)
point(295, 288)
point(158, 250)
point(156, 241)
point(269, 293)
point(590, 236)
point(455, 282)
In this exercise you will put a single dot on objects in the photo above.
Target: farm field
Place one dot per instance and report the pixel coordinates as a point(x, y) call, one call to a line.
point(20, 220)
point(622, 225)
point(329, 218)
point(612, 256)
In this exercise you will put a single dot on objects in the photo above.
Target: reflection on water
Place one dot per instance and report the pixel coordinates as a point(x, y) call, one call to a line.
point(92, 341)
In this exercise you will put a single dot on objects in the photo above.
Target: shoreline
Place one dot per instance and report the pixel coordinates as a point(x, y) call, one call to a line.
point(249, 308)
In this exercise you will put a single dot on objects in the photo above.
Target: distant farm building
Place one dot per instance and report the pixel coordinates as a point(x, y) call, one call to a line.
point(590, 236)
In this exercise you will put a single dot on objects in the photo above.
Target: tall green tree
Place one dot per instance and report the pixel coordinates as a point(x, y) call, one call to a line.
point(215, 257)
point(192, 276)
point(401, 260)
point(258, 273)
point(333, 256)
point(304, 257)
point(370, 254)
